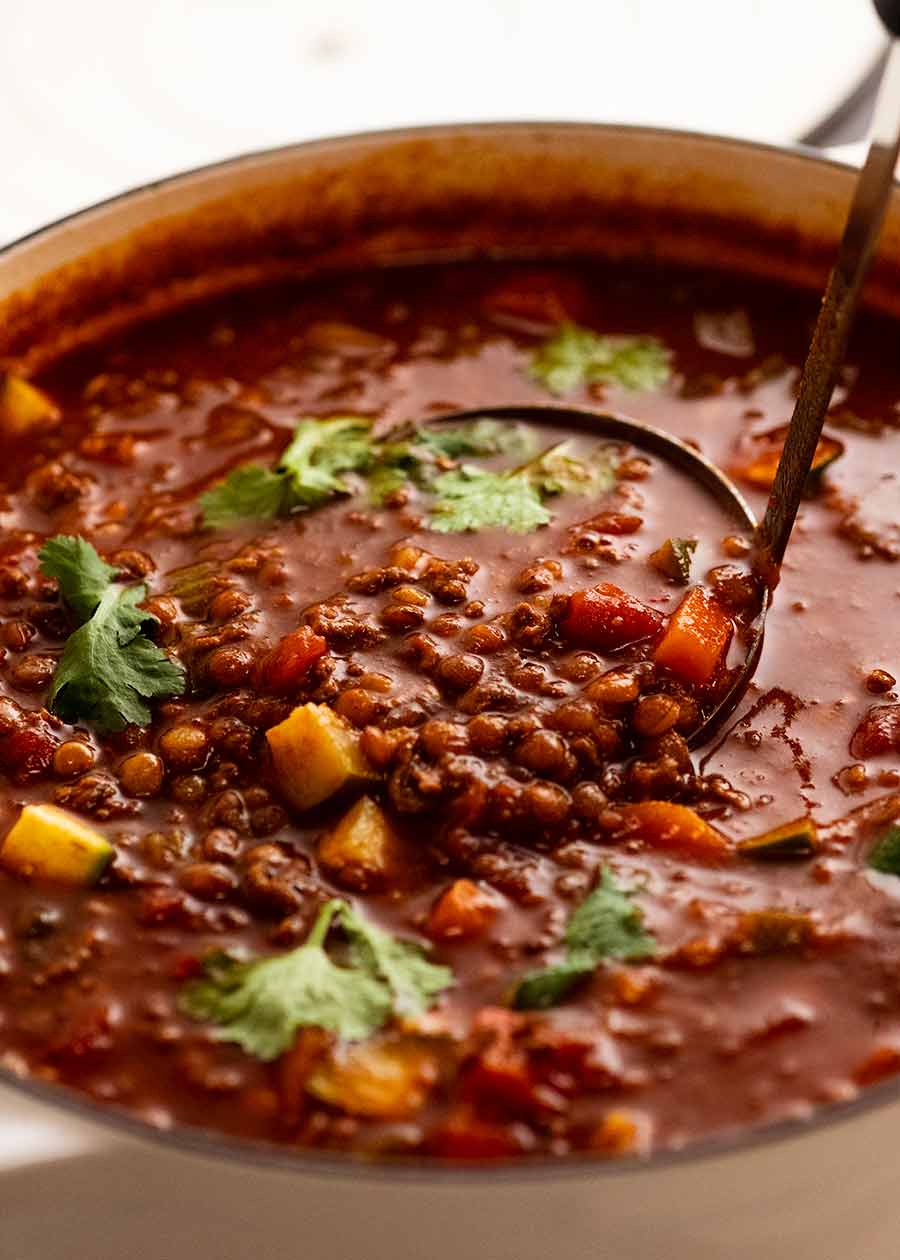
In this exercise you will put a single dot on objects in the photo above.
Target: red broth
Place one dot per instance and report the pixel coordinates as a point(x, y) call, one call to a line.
point(521, 726)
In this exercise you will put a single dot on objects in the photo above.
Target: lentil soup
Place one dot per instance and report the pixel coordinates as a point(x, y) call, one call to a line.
point(349, 802)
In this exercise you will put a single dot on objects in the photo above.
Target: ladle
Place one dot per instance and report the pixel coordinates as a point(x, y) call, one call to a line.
point(820, 371)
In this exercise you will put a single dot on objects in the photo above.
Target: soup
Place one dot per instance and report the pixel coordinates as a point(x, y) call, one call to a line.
point(349, 799)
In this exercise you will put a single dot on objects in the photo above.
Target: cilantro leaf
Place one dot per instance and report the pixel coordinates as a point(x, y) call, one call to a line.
point(261, 1004)
point(477, 437)
point(320, 451)
point(422, 456)
point(471, 498)
point(82, 575)
point(558, 471)
point(885, 856)
point(607, 924)
point(412, 979)
point(248, 493)
point(541, 989)
point(574, 356)
point(109, 667)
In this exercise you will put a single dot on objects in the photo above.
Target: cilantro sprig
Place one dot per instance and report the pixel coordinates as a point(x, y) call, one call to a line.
point(308, 473)
point(471, 498)
point(261, 1004)
point(576, 356)
point(607, 924)
point(110, 667)
point(463, 496)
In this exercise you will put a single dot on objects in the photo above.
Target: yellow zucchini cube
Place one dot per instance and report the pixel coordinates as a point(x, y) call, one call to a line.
point(363, 850)
point(388, 1079)
point(23, 406)
point(50, 843)
point(315, 753)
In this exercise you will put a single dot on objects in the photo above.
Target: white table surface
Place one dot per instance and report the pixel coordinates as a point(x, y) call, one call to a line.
point(96, 97)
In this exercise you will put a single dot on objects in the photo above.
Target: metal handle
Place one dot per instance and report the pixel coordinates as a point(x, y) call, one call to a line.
point(829, 342)
point(889, 12)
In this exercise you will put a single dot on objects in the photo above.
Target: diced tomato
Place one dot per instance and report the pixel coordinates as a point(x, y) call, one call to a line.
point(606, 618)
point(878, 733)
point(664, 825)
point(696, 638)
point(464, 1136)
point(883, 1062)
point(27, 753)
point(294, 1069)
point(289, 661)
point(465, 910)
point(88, 1032)
point(185, 967)
point(536, 299)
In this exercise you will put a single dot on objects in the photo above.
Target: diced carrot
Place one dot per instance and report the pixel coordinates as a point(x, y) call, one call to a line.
point(606, 618)
point(464, 910)
point(696, 638)
point(664, 825)
point(290, 659)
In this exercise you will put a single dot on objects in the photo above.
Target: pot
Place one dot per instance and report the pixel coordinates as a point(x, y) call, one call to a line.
point(80, 1181)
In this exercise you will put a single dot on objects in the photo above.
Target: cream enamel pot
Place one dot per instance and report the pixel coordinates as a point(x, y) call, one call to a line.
point(80, 1181)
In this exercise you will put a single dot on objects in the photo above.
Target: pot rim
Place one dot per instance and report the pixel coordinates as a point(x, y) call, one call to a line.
point(192, 1140)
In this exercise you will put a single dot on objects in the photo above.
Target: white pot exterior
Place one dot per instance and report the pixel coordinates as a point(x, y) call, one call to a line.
point(71, 1185)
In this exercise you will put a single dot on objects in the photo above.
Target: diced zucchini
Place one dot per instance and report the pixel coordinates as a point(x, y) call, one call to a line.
point(760, 470)
point(23, 406)
point(315, 754)
point(885, 855)
point(774, 931)
point(363, 850)
point(794, 839)
point(673, 559)
point(388, 1079)
point(50, 843)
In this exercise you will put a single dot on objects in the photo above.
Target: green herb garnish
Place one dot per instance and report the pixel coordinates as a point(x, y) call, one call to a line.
point(558, 471)
point(422, 457)
point(607, 924)
point(109, 668)
point(885, 856)
point(308, 473)
point(471, 498)
point(576, 356)
point(465, 497)
point(261, 1004)
point(249, 493)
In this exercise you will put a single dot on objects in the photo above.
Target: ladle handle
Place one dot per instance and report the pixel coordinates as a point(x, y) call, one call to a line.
point(829, 342)
point(889, 12)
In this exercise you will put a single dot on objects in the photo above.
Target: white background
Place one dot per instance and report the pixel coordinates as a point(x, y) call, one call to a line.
point(97, 96)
